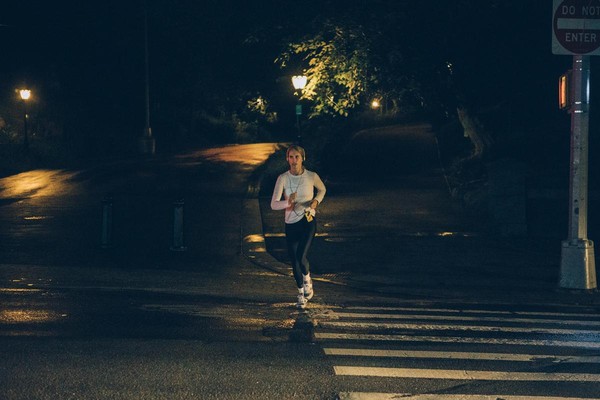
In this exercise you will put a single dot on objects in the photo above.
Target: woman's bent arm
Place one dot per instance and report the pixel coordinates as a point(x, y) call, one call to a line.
point(276, 202)
point(320, 186)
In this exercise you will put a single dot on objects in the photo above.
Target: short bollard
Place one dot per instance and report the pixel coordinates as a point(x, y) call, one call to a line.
point(107, 223)
point(178, 244)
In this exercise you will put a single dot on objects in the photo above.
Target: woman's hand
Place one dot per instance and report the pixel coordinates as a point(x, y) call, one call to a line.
point(292, 198)
point(314, 203)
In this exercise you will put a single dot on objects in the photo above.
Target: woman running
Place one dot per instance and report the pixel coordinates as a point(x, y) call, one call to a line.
point(297, 186)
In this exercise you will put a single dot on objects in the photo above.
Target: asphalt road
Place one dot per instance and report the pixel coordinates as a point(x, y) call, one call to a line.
point(140, 321)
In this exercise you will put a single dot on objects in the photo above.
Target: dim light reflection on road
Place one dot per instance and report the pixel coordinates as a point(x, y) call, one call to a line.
point(37, 183)
point(246, 154)
point(59, 182)
point(29, 316)
point(47, 182)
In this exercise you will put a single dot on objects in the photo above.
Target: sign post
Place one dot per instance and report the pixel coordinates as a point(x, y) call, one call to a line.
point(576, 32)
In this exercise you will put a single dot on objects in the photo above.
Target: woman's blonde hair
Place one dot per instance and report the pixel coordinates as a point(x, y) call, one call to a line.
point(297, 148)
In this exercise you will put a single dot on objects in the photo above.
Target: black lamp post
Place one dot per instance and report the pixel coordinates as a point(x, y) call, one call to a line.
point(25, 95)
point(147, 144)
point(299, 82)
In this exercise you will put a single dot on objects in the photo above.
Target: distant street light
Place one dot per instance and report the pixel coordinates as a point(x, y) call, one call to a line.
point(376, 104)
point(25, 95)
point(299, 82)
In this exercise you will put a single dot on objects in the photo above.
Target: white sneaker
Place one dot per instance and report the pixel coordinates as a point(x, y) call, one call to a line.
point(301, 301)
point(308, 290)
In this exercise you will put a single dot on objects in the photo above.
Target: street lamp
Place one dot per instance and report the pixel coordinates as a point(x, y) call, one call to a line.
point(25, 95)
point(377, 105)
point(299, 82)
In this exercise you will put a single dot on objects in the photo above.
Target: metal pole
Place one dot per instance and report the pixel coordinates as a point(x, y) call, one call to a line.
point(146, 142)
point(299, 134)
point(25, 135)
point(178, 243)
point(148, 130)
point(578, 266)
point(298, 114)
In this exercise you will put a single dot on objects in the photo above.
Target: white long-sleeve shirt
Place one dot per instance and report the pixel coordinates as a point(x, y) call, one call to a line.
point(304, 186)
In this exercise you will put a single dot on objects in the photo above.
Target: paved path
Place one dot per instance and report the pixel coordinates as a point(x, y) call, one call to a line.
point(389, 224)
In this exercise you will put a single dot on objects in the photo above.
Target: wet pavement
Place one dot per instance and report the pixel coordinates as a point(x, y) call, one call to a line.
point(388, 225)
point(138, 319)
point(57, 279)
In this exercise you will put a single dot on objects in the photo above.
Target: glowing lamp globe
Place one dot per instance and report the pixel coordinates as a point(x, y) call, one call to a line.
point(25, 94)
point(299, 82)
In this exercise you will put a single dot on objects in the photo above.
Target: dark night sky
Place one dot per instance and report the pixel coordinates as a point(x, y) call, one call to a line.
point(108, 36)
point(79, 39)
point(92, 52)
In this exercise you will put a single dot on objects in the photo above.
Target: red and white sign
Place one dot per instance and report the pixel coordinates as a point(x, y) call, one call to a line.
point(576, 27)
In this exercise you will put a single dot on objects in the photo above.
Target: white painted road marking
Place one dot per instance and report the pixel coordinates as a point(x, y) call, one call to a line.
point(474, 311)
point(448, 339)
point(456, 355)
point(362, 320)
point(464, 318)
point(437, 396)
point(452, 327)
point(417, 373)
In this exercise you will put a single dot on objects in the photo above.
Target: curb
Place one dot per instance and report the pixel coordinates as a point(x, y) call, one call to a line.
point(253, 246)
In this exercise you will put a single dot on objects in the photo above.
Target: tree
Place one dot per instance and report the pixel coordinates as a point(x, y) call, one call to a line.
point(440, 59)
point(338, 68)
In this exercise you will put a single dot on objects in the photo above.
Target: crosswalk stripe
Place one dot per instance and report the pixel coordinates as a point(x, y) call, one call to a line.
point(473, 311)
point(462, 318)
point(455, 355)
point(332, 326)
point(452, 327)
point(437, 396)
point(417, 373)
point(449, 339)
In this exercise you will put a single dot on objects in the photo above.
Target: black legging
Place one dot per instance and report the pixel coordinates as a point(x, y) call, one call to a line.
point(299, 237)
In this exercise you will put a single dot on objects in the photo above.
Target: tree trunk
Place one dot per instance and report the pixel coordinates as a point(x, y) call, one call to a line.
point(475, 131)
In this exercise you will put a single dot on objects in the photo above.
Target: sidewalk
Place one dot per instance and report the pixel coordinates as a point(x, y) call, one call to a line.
point(405, 237)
